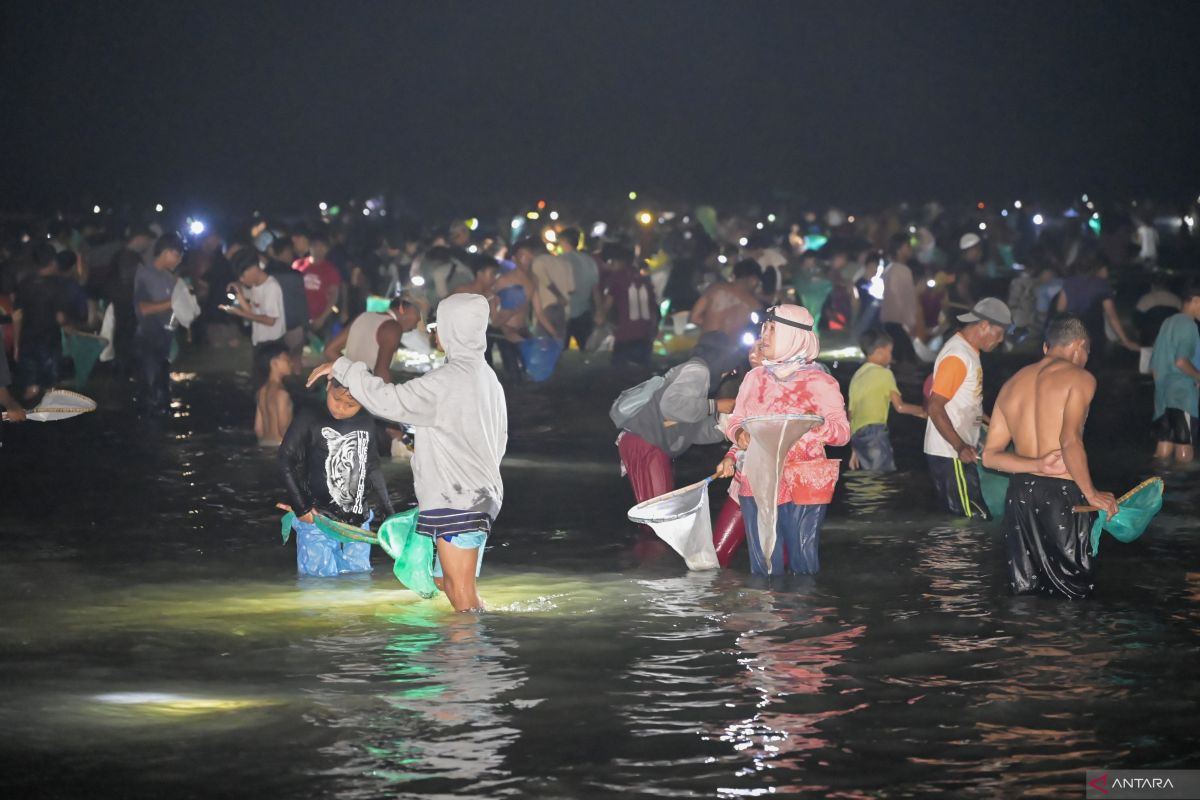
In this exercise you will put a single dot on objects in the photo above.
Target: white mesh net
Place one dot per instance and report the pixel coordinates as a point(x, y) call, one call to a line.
point(681, 519)
point(771, 437)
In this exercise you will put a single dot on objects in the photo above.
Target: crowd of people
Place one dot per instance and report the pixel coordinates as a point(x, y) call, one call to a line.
point(749, 294)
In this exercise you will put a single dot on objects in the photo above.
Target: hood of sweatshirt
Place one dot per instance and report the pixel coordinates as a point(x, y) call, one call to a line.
point(462, 321)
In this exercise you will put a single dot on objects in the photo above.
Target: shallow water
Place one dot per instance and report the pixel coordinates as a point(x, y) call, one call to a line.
point(157, 643)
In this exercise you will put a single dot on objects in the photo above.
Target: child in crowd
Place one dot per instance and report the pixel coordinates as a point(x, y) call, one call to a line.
point(328, 460)
point(872, 391)
point(273, 412)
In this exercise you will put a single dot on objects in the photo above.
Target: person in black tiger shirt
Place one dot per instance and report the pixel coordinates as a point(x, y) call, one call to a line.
point(329, 462)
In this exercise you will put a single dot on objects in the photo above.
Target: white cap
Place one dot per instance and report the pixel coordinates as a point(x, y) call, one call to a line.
point(968, 241)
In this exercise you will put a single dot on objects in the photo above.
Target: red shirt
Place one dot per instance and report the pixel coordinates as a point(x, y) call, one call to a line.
point(636, 309)
point(318, 277)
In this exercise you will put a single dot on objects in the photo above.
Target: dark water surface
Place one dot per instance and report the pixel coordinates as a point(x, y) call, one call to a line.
point(155, 641)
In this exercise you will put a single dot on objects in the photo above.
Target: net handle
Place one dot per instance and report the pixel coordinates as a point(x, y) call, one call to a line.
point(1121, 499)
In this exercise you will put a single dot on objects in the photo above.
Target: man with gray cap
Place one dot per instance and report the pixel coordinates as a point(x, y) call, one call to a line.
point(956, 408)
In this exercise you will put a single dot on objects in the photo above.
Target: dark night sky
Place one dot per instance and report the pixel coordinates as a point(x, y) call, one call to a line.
point(286, 103)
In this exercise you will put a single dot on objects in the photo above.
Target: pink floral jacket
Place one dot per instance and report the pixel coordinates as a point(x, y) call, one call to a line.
point(808, 476)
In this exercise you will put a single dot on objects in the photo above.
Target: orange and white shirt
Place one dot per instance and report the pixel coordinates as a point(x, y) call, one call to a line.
point(958, 376)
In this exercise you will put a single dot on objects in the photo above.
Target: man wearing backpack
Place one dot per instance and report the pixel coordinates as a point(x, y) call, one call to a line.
point(675, 416)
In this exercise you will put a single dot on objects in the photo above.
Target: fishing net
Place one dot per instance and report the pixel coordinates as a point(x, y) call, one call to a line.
point(411, 552)
point(1135, 509)
point(84, 350)
point(681, 519)
point(60, 404)
point(771, 437)
point(338, 531)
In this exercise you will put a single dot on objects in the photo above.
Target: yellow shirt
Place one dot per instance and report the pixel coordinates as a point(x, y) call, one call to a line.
point(871, 396)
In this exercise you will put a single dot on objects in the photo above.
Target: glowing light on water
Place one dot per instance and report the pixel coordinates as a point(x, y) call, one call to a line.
point(166, 704)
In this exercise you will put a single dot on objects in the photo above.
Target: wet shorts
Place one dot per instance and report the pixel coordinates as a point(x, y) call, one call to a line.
point(463, 541)
point(1175, 426)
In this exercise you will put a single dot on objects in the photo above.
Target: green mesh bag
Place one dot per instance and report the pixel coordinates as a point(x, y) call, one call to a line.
point(412, 552)
point(83, 349)
point(1135, 509)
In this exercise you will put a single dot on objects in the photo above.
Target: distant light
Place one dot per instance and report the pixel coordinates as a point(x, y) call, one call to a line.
point(931, 283)
point(912, 228)
point(770, 218)
point(366, 212)
point(418, 280)
point(532, 215)
point(1085, 198)
point(1091, 205)
point(472, 224)
point(1004, 212)
point(645, 218)
point(1017, 204)
point(850, 218)
point(760, 226)
point(980, 205)
point(687, 234)
point(742, 242)
point(633, 195)
point(553, 215)
point(599, 229)
point(723, 259)
point(517, 223)
point(686, 219)
point(748, 338)
point(472, 249)
point(1189, 220)
point(323, 206)
point(1038, 219)
point(158, 207)
point(196, 227)
point(754, 317)
point(541, 204)
point(549, 235)
point(983, 226)
point(95, 209)
point(1097, 216)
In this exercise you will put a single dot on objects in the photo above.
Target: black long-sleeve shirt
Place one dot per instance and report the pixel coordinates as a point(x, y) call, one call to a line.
point(328, 464)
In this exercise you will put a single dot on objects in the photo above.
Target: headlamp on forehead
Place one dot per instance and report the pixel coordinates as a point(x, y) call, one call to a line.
point(772, 316)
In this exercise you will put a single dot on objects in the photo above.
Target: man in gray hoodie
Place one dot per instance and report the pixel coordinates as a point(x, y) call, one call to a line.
point(461, 423)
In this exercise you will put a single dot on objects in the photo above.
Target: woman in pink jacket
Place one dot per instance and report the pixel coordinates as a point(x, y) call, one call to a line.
point(790, 382)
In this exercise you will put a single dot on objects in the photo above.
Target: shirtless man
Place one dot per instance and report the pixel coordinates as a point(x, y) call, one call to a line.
point(517, 290)
point(727, 306)
point(273, 404)
point(1041, 411)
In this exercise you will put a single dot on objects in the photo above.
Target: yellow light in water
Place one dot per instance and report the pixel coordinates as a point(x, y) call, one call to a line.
point(176, 705)
point(645, 217)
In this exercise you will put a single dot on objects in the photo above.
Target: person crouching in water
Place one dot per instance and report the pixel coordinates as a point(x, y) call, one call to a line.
point(790, 382)
point(461, 423)
point(1041, 411)
point(679, 415)
point(329, 461)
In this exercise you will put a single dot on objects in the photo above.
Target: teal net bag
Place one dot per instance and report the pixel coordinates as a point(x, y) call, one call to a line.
point(1135, 509)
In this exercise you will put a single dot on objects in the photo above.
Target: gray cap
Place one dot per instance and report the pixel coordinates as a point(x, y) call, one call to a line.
point(989, 309)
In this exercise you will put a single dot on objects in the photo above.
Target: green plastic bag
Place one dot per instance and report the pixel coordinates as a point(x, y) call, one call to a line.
point(1135, 510)
point(83, 349)
point(338, 531)
point(412, 552)
point(995, 489)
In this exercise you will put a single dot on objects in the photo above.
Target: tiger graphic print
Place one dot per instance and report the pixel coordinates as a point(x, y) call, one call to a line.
point(346, 468)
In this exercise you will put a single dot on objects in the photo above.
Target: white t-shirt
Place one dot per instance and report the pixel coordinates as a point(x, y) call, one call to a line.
point(266, 299)
point(966, 407)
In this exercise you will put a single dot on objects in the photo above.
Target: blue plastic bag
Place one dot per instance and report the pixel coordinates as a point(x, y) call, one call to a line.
point(540, 356)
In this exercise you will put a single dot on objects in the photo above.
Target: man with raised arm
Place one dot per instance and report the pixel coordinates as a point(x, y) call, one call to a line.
point(1041, 411)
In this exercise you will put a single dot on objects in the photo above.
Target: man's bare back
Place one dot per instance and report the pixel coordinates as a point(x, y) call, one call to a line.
point(1033, 403)
point(725, 307)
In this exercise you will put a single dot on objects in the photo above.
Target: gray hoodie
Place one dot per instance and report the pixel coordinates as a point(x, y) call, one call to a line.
point(458, 411)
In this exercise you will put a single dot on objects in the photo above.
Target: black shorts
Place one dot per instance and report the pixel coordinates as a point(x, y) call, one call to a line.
point(963, 499)
point(1048, 543)
point(1175, 426)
